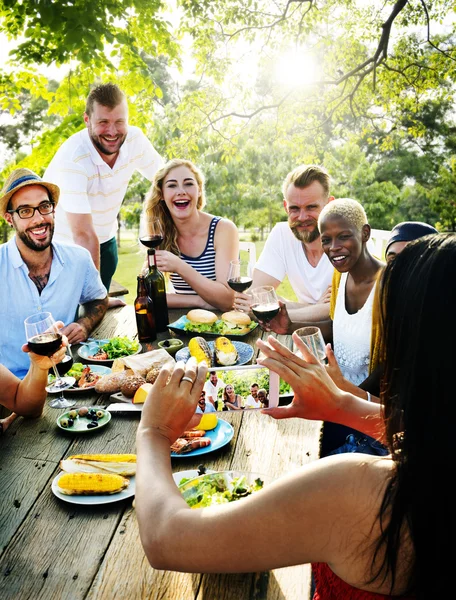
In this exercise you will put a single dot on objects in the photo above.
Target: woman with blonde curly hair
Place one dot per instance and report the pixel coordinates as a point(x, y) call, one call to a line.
point(197, 247)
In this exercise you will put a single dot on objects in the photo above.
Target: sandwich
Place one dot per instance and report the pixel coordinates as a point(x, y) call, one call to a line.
point(233, 322)
point(201, 321)
point(236, 322)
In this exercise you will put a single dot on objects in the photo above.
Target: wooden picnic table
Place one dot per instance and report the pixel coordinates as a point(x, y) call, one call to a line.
point(50, 549)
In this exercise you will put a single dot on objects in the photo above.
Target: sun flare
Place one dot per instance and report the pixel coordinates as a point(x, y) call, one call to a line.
point(296, 68)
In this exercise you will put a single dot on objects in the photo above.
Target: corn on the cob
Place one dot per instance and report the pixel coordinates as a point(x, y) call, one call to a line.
point(225, 352)
point(120, 464)
point(199, 348)
point(74, 484)
point(106, 457)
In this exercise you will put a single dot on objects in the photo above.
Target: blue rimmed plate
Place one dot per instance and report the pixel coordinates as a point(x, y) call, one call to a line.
point(220, 436)
point(245, 353)
point(87, 350)
point(179, 327)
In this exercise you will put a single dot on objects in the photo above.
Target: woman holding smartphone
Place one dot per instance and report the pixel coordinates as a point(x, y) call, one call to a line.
point(369, 525)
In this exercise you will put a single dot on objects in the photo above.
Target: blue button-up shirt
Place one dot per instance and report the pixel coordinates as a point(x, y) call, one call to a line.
point(73, 280)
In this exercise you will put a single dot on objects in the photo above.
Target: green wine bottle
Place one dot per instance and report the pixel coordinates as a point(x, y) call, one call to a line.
point(156, 289)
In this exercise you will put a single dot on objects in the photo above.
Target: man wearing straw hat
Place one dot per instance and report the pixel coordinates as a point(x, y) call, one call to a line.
point(40, 275)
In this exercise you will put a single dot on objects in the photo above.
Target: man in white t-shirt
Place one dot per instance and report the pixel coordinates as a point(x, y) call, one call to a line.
point(92, 169)
point(212, 387)
point(293, 249)
point(252, 401)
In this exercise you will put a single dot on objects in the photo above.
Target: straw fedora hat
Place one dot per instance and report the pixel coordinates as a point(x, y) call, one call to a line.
point(18, 179)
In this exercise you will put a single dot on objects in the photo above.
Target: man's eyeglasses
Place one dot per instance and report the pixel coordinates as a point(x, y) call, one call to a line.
point(27, 212)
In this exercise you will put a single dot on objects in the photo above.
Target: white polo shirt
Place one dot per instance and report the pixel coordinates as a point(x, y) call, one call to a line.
point(89, 186)
point(283, 255)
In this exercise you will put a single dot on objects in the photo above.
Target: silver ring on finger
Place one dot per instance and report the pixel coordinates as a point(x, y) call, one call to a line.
point(187, 379)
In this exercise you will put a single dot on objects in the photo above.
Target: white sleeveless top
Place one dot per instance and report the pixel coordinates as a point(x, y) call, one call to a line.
point(352, 336)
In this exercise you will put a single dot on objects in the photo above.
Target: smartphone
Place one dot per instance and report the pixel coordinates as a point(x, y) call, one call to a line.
point(246, 387)
point(240, 378)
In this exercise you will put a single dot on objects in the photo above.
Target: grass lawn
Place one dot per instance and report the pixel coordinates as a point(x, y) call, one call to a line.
point(132, 257)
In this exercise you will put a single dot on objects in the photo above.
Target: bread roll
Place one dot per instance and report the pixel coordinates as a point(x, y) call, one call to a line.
point(199, 315)
point(110, 384)
point(236, 317)
point(130, 385)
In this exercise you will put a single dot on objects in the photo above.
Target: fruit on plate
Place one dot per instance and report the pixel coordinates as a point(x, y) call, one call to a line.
point(84, 484)
point(119, 464)
point(199, 348)
point(141, 393)
point(225, 352)
point(208, 421)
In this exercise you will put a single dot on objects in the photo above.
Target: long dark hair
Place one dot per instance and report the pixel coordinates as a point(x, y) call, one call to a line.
point(418, 299)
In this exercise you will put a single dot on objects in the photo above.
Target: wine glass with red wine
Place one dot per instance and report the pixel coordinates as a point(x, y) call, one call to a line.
point(265, 304)
point(239, 275)
point(43, 338)
point(151, 234)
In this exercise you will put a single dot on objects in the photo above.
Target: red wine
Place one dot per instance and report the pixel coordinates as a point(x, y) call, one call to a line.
point(64, 366)
point(151, 241)
point(265, 312)
point(240, 284)
point(45, 344)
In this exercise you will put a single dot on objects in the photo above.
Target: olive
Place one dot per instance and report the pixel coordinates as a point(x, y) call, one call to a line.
point(91, 413)
point(70, 422)
point(73, 414)
point(92, 424)
point(64, 422)
point(166, 343)
point(100, 414)
point(201, 469)
point(83, 411)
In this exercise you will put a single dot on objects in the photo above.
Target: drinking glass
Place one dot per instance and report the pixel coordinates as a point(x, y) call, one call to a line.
point(151, 233)
point(265, 305)
point(313, 339)
point(239, 275)
point(44, 339)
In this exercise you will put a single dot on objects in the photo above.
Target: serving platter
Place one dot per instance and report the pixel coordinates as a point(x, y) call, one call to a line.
point(96, 498)
point(179, 327)
point(98, 369)
point(245, 353)
point(219, 436)
point(92, 348)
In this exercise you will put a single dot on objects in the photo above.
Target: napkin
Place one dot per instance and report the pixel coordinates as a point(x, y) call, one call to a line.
point(141, 364)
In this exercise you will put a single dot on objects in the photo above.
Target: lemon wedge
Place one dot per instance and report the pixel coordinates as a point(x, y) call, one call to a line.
point(208, 422)
point(141, 393)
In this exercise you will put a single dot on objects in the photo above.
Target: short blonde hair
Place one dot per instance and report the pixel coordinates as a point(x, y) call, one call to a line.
point(349, 209)
point(304, 175)
point(155, 208)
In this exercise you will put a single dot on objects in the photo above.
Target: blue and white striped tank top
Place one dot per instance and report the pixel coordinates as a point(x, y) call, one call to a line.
point(204, 263)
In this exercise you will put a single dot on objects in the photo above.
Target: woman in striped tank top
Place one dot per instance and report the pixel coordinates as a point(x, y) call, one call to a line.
point(197, 247)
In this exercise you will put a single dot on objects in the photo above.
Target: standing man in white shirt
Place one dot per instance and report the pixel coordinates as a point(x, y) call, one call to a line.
point(92, 169)
point(293, 249)
point(212, 387)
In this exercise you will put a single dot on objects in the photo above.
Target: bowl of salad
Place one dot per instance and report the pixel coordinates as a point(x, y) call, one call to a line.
point(221, 487)
point(104, 352)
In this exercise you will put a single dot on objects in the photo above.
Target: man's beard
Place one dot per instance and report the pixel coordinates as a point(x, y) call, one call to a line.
point(99, 146)
point(37, 246)
point(304, 236)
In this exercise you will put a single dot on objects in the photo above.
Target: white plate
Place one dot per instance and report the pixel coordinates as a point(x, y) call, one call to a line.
point(95, 499)
point(189, 474)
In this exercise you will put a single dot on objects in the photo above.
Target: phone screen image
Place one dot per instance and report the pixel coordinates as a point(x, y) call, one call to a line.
point(248, 387)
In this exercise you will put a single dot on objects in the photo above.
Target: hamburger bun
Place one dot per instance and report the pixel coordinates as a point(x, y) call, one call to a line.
point(239, 322)
point(236, 317)
point(198, 315)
